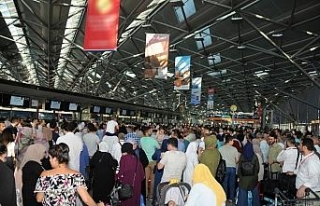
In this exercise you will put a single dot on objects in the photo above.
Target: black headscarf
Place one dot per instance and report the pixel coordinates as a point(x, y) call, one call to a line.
point(127, 148)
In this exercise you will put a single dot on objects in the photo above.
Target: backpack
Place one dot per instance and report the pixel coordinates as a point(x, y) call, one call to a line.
point(221, 170)
point(247, 167)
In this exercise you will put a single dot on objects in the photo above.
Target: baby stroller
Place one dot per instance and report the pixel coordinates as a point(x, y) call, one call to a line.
point(177, 192)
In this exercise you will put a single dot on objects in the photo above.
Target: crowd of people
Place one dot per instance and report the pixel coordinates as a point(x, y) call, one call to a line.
point(45, 163)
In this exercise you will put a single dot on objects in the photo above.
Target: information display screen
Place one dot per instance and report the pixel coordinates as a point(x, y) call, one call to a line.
point(124, 112)
point(16, 101)
point(35, 103)
point(96, 109)
point(132, 113)
point(108, 110)
point(73, 106)
point(55, 105)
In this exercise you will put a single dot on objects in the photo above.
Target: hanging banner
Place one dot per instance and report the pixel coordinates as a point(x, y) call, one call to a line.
point(102, 20)
point(210, 102)
point(182, 73)
point(156, 56)
point(196, 91)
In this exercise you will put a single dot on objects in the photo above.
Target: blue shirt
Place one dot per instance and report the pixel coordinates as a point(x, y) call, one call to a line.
point(132, 135)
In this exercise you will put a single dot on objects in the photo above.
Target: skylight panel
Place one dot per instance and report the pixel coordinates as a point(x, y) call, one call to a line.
point(188, 7)
point(8, 11)
point(205, 37)
point(214, 59)
point(75, 13)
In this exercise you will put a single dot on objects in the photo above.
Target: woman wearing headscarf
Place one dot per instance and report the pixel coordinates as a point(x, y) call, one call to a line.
point(143, 160)
point(205, 189)
point(248, 182)
point(103, 168)
point(192, 161)
point(257, 151)
point(31, 170)
point(7, 186)
point(131, 172)
point(210, 156)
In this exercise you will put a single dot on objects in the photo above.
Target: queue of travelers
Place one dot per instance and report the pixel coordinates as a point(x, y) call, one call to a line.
point(82, 163)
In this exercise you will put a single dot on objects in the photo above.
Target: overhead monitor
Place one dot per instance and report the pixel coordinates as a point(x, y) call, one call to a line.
point(96, 109)
point(73, 106)
point(108, 110)
point(16, 101)
point(132, 113)
point(55, 104)
point(123, 112)
point(35, 103)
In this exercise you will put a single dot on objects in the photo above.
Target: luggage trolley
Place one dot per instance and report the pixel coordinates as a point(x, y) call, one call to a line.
point(282, 200)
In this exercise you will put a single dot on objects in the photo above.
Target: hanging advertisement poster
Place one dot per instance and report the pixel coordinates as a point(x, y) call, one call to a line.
point(156, 56)
point(196, 90)
point(182, 73)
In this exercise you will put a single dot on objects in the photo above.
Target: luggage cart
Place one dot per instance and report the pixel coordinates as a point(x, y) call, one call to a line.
point(282, 200)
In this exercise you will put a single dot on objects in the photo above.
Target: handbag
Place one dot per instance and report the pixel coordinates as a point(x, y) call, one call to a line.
point(125, 189)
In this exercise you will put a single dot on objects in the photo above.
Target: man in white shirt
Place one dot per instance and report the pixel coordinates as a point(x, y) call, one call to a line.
point(308, 171)
point(264, 146)
point(112, 127)
point(316, 143)
point(91, 139)
point(289, 157)
point(173, 162)
point(230, 155)
point(74, 143)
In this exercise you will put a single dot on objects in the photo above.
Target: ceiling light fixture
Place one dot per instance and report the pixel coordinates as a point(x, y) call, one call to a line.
point(277, 35)
point(236, 18)
point(241, 47)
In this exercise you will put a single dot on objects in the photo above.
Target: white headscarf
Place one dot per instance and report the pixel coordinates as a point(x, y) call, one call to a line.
point(192, 161)
point(103, 147)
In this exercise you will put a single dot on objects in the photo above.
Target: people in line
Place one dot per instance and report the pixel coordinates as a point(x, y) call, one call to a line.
point(7, 186)
point(230, 155)
point(210, 156)
point(205, 188)
point(103, 167)
point(74, 143)
point(91, 139)
point(308, 170)
point(131, 172)
point(248, 176)
point(168, 166)
point(149, 145)
point(192, 161)
point(173, 162)
point(61, 185)
point(31, 167)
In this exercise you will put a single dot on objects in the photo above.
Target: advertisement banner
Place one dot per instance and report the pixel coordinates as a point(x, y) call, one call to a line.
point(210, 102)
point(156, 56)
point(196, 91)
point(182, 73)
point(102, 20)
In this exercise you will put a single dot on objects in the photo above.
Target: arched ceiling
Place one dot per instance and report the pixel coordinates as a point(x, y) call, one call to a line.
point(268, 48)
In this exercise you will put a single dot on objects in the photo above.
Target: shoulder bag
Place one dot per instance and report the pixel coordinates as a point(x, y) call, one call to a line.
point(125, 189)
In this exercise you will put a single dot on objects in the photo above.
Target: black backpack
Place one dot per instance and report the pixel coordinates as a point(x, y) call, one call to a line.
point(221, 170)
point(247, 167)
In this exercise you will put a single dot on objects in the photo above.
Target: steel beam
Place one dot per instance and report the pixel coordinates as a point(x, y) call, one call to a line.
point(280, 50)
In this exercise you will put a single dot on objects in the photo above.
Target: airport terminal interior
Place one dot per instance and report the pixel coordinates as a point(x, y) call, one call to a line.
point(158, 81)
